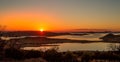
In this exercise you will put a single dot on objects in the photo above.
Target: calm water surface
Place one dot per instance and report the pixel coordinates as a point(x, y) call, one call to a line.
point(91, 37)
point(76, 47)
point(101, 46)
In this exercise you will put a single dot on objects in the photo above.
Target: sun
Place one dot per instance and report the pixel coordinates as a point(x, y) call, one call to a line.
point(41, 30)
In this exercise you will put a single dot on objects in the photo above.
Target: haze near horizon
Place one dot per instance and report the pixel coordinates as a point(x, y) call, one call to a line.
point(60, 15)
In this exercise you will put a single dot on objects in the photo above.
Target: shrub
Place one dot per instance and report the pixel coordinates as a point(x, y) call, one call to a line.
point(86, 57)
point(52, 55)
point(33, 54)
point(70, 57)
point(14, 53)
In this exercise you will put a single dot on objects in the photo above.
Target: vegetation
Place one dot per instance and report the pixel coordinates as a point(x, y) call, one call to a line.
point(53, 55)
point(115, 47)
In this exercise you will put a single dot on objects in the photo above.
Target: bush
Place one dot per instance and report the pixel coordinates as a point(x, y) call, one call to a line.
point(33, 54)
point(86, 57)
point(70, 57)
point(52, 55)
point(14, 53)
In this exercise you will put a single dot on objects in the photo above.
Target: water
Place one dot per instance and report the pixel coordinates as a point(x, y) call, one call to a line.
point(21, 37)
point(90, 37)
point(99, 46)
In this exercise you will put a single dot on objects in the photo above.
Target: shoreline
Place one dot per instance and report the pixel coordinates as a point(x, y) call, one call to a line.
point(42, 41)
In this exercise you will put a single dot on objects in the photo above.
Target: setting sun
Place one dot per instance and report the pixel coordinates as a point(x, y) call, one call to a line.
point(41, 30)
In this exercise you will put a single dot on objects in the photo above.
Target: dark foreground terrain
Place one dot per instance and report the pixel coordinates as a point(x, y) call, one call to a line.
point(14, 54)
point(52, 55)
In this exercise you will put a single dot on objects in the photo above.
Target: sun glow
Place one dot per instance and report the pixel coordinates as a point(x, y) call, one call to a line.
point(41, 30)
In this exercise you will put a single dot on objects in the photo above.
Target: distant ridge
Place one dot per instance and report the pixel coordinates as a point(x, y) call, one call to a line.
point(94, 30)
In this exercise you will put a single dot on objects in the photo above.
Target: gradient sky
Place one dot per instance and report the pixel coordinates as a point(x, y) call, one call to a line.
point(60, 14)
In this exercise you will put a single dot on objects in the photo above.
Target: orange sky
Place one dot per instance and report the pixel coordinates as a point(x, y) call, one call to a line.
point(60, 15)
point(24, 20)
point(34, 20)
